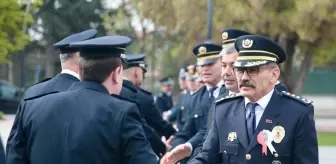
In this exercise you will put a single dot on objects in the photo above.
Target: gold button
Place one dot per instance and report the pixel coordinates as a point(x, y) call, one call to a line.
point(196, 115)
point(276, 155)
point(182, 107)
point(248, 156)
point(225, 152)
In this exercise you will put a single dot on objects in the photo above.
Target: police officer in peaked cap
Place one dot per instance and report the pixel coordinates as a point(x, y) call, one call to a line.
point(84, 124)
point(261, 125)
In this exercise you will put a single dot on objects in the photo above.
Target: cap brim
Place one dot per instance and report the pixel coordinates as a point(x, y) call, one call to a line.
point(206, 61)
point(251, 63)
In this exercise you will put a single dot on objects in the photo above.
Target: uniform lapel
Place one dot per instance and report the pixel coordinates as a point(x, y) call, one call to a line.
point(239, 121)
point(205, 98)
point(268, 119)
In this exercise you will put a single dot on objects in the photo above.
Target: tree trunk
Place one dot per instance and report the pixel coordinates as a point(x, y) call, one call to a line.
point(288, 42)
point(304, 70)
point(10, 73)
point(4, 71)
point(50, 66)
point(15, 68)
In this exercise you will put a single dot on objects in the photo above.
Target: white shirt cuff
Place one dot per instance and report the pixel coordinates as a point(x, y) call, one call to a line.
point(191, 148)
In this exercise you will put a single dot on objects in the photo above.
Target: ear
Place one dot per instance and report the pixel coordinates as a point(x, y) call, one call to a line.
point(275, 75)
point(135, 73)
point(116, 75)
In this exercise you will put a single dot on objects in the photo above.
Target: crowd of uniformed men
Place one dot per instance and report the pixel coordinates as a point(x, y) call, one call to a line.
point(232, 108)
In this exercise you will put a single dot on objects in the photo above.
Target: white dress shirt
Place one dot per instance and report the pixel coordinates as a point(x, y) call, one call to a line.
point(217, 90)
point(68, 71)
point(232, 93)
point(259, 110)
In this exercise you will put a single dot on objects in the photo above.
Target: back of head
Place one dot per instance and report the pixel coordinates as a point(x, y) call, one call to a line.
point(69, 56)
point(136, 68)
point(101, 60)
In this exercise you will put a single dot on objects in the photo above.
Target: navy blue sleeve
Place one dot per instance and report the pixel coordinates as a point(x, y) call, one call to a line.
point(135, 147)
point(305, 144)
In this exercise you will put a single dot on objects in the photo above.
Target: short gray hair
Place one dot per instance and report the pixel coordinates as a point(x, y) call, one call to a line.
point(228, 50)
point(64, 57)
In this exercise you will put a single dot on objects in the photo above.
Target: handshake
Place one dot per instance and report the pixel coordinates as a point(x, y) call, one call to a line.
point(178, 153)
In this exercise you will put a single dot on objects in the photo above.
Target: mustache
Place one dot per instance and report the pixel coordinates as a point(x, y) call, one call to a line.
point(246, 83)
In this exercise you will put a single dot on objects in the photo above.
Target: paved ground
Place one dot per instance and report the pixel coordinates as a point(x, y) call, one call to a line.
point(327, 154)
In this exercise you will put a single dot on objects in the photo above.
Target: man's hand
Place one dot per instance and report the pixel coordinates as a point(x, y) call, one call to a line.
point(168, 142)
point(178, 153)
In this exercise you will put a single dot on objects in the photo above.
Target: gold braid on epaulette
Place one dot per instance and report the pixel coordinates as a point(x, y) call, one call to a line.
point(231, 97)
point(295, 97)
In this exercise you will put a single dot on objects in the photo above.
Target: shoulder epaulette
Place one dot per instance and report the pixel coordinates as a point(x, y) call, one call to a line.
point(227, 98)
point(40, 95)
point(295, 97)
point(147, 92)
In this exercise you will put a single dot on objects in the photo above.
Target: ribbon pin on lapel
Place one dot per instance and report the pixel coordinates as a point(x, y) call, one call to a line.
point(265, 138)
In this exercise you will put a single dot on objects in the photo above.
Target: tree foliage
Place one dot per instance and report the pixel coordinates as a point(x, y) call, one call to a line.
point(58, 19)
point(303, 27)
point(13, 19)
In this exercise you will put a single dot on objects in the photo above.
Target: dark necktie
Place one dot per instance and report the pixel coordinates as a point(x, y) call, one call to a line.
point(251, 120)
point(212, 90)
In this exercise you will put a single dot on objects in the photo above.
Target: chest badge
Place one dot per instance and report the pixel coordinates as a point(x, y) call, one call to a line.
point(278, 133)
point(232, 136)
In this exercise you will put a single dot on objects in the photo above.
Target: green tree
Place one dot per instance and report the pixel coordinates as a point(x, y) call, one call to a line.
point(13, 19)
point(302, 27)
point(60, 18)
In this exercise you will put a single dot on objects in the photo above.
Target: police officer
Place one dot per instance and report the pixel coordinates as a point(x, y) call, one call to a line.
point(164, 100)
point(183, 113)
point(191, 82)
point(84, 124)
point(69, 62)
point(229, 55)
point(171, 114)
point(262, 125)
point(152, 121)
point(151, 113)
point(69, 58)
point(199, 81)
point(208, 59)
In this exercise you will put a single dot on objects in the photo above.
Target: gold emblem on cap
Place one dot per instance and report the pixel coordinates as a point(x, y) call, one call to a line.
point(202, 50)
point(247, 43)
point(278, 133)
point(232, 136)
point(225, 35)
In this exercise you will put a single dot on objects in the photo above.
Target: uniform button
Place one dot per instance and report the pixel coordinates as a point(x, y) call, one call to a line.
point(196, 116)
point(225, 152)
point(182, 107)
point(276, 155)
point(248, 156)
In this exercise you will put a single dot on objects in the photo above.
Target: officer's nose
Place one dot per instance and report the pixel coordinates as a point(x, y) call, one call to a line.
point(245, 75)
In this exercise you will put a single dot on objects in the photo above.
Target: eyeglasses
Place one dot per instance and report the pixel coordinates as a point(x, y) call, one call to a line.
point(251, 71)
